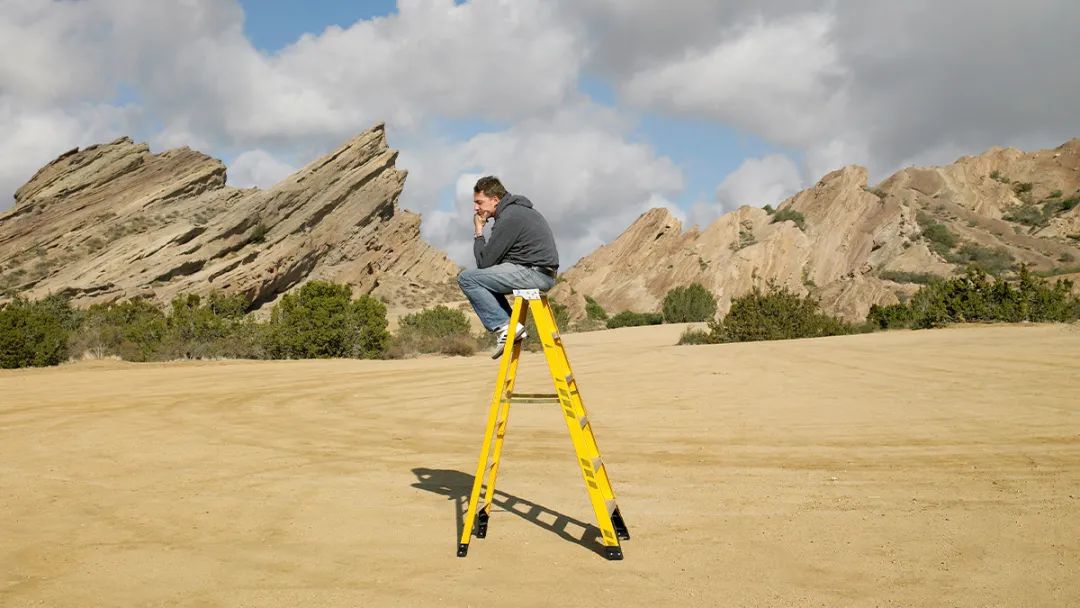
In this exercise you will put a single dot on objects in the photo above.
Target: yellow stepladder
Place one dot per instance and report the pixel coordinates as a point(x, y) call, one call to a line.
point(597, 483)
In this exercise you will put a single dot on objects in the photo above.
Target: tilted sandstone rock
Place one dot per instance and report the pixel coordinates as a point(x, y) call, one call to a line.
point(851, 235)
point(115, 221)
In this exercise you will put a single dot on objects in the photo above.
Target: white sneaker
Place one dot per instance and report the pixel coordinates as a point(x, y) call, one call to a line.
point(500, 343)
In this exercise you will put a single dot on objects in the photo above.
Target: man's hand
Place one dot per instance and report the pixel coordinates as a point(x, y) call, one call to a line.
point(478, 225)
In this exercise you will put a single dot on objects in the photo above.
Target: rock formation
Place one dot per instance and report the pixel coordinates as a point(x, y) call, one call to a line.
point(115, 221)
point(857, 245)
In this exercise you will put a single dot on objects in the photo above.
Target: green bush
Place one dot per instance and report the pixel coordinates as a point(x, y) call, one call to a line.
point(922, 278)
point(1029, 215)
point(435, 330)
point(776, 315)
point(994, 261)
point(215, 326)
point(790, 214)
point(941, 239)
point(891, 316)
point(34, 333)
point(688, 304)
point(628, 318)
point(321, 320)
point(133, 330)
point(594, 311)
point(974, 297)
point(694, 336)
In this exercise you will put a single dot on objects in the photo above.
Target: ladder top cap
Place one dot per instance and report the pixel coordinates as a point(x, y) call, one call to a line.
point(528, 294)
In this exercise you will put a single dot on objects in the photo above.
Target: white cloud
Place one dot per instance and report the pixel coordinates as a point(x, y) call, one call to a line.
point(780, 79)
point(757, 182)
point(257, 168)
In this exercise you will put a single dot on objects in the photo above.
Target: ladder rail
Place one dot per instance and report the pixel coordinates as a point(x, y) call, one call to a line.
point(507, 371)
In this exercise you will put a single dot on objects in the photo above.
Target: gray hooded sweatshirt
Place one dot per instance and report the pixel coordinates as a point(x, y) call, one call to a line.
point(520, 235)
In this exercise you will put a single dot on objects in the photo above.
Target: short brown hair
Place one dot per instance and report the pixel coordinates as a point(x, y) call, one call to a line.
point(490, 185)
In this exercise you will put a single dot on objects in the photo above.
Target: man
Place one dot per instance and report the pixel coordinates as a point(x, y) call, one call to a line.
point(520, 255)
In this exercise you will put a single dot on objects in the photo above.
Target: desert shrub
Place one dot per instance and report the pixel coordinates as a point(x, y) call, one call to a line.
point(435, 330)
point(321, 320)
point(890, 317)
point(922, 278)
point(1021, 188)
point(215, 326)
point(688, 304)
point(998, 176)
point(1029, 215)
point(34, 333)
point(258, 234)
point(133, 330)
point(628, 318)
point(777, 314)
point(694, 336)
point(790, 214)
point(974, 297)
point(994, 261)
point(941, 239)
point(769, 209)
point(594, 311)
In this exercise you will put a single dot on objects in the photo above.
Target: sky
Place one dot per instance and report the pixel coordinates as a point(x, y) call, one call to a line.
point(596, 110)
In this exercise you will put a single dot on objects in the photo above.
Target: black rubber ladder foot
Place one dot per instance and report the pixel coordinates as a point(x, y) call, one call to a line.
point(613, 554)
point(462, 549)
point(620, 526)
point(481, 524)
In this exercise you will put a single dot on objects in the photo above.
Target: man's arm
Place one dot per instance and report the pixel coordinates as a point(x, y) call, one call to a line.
point(488, 253)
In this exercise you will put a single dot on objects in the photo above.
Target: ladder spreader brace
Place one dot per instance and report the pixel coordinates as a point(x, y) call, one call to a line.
point(597, 483)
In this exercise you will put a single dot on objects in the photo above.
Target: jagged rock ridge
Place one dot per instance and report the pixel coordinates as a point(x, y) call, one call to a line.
point(115, 221)
point(852, 234)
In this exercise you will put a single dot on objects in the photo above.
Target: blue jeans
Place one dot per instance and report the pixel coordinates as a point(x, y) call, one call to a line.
point(486, 289)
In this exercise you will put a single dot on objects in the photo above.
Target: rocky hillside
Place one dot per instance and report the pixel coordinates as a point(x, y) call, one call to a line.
point(852, 245)
point(115, 221)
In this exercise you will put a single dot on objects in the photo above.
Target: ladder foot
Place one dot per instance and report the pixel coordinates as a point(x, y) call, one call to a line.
point(620, 526)
point(613, 553)
point(463, 549)
point(481, 524)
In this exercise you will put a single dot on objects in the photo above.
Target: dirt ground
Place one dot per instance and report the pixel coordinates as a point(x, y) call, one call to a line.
point(929, 468)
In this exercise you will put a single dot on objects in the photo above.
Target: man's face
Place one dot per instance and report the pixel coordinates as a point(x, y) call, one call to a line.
point(484, 205)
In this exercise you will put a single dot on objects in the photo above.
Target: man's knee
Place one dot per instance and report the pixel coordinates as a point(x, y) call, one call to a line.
point(465, 277)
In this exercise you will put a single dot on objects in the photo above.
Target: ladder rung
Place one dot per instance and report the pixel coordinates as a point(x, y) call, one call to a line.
point(534, 398)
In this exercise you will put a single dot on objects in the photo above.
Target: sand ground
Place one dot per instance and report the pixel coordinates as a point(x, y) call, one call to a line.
point(930, 468)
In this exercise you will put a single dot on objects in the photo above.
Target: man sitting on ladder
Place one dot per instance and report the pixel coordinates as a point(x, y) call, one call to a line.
point(520, 255)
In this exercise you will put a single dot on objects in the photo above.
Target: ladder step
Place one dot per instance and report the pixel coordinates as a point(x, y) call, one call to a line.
point(534, 398)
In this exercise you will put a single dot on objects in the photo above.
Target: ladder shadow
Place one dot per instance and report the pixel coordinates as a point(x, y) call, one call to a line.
point(457, 486)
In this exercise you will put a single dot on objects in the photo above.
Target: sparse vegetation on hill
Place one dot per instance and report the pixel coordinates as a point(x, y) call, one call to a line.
point(922, 278)
point(789, 214)
point(1038, 215)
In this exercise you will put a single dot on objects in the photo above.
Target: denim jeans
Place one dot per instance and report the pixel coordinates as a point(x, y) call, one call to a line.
point(486, 289)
